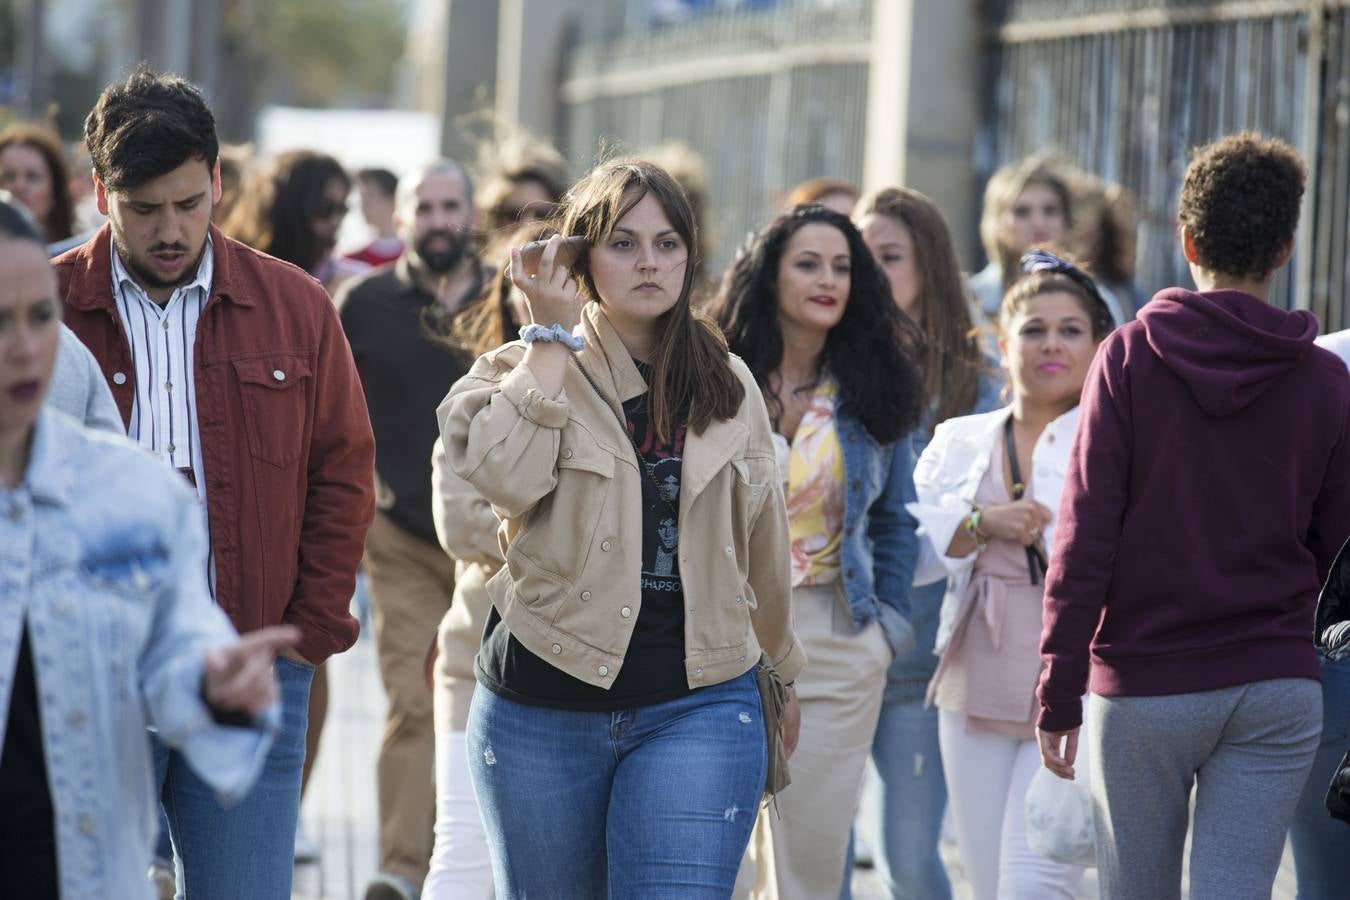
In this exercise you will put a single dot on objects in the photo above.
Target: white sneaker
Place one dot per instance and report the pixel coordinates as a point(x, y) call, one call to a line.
point(306, 851)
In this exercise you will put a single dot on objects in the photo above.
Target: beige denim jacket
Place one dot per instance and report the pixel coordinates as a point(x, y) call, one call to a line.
point(563, 476)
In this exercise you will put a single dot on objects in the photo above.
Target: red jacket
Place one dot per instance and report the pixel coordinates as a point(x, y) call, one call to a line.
point(289, 464)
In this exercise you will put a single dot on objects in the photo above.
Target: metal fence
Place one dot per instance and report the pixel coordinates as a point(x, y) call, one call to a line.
point(1126, 88)
point(767, 98)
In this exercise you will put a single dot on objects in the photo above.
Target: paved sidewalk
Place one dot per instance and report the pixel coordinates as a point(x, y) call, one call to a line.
point(339, 810)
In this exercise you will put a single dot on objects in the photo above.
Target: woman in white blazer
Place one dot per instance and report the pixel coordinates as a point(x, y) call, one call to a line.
point(988, 487)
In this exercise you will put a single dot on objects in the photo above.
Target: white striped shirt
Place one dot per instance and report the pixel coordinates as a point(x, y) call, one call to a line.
point(164, 407)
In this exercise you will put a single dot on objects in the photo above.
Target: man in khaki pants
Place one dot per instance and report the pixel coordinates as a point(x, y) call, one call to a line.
point(395, 318)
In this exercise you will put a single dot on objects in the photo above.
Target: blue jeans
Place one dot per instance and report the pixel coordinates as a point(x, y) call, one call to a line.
point(247, 851)
point(652, 802)
point(913, 797)
point(1321, 844)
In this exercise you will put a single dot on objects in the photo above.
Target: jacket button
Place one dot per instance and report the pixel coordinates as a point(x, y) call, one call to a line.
point(86, 825)
point(602, 671)
point(848, 573)
point(698, 671)
point(739, 600)
point(852, 437)
point(119, 378)
point(585, 595)
point(857, 485)
point(626, 611)
point(605, 545)
point(557, 648)
point(567, 454)
point(76, 718)
point(278, 375)
point(727, 550)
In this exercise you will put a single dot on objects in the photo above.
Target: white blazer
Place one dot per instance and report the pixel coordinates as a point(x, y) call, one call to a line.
point(945, 479)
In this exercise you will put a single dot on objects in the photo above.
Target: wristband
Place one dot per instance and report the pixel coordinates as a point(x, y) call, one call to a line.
point(551, 334)
point(972, 526)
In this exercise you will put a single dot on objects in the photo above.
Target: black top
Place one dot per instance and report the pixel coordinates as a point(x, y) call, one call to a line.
point(27, 828)
point(394, 328)
point(653, 669)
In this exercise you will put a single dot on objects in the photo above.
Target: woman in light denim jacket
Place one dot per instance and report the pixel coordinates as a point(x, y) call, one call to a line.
point(810, 311)
point(107, 627)
point(910, 240)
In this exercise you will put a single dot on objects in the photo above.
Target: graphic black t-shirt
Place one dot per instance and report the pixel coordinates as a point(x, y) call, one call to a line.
point(653, 669)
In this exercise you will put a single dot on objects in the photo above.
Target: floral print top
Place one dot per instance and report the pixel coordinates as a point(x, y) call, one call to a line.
point(815, 491)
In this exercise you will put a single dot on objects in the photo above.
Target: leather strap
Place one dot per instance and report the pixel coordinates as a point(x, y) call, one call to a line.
point(1036, 563)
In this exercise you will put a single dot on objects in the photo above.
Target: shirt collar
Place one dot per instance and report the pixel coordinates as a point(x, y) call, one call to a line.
point(205, 273)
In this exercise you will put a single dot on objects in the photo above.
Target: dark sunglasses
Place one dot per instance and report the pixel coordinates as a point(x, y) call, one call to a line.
point(329, 210)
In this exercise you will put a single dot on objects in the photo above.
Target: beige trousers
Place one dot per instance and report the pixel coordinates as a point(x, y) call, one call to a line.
point(840, 695)
point(411, 583)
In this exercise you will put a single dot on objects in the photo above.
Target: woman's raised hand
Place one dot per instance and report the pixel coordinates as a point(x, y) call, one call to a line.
point(550, 292)
point(1021, 521)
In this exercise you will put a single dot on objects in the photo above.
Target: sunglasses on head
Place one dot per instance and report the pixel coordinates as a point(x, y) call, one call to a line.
point(1037, 260)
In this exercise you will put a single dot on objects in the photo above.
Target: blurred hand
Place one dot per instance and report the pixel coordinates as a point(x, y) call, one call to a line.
point(1057, 760)
point(240, 677)
point(551, 292)
point(1020, 521)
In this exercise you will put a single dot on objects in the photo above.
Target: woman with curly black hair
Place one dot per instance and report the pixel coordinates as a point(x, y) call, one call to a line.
point(810, 311)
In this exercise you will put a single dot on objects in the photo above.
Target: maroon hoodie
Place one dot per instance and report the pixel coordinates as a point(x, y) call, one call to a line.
point(1208, 492)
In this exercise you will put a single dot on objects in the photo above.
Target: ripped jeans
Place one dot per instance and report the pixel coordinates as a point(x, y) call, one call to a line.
point(653, 802)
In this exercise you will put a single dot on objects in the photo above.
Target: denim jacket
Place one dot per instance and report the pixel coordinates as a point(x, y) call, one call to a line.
point(103, 558)
point(879, 541)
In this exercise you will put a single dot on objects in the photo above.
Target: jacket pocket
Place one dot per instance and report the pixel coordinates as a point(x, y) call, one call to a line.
point(125, 586)
point(274, 394)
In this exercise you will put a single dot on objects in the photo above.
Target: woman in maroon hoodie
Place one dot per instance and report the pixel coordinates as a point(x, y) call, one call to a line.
point(1208, 492)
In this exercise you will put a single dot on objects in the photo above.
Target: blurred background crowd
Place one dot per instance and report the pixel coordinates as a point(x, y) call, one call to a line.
point(744, 98)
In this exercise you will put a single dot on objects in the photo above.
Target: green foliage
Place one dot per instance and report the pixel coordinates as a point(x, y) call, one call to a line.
point(326, 53)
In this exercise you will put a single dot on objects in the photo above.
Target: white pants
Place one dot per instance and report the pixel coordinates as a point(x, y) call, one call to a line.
point(460, 866)
point(987, 780)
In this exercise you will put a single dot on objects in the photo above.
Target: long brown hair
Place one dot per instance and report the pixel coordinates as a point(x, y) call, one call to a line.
point(952, 358)
point(275, 210)
point(691, 365)
point(489, 321)
point(58, 224)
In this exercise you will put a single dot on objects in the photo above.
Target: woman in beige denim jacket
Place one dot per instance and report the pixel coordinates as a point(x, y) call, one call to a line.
point(646, 565)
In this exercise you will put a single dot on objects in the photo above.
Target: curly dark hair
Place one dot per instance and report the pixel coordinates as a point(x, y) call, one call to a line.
point(1240, 203)
point(873, 352)
point(146, 127)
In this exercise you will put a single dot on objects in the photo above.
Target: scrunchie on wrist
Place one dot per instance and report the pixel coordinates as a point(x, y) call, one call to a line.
point(551, 334)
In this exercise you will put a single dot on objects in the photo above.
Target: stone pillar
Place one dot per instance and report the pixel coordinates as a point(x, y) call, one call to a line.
point(924, 105)
point(470, 68)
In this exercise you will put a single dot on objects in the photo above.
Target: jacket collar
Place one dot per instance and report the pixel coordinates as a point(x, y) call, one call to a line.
point(91, 279)
point(608, 362)
point(606, 359)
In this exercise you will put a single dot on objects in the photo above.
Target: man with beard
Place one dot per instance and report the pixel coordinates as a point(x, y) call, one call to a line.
point(395, 319)
point(232, 368)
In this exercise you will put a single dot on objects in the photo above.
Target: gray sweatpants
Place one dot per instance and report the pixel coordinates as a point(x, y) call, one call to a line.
point(1247, 750)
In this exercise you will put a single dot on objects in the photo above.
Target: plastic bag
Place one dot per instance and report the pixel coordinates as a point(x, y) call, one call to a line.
point(1059, 818)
